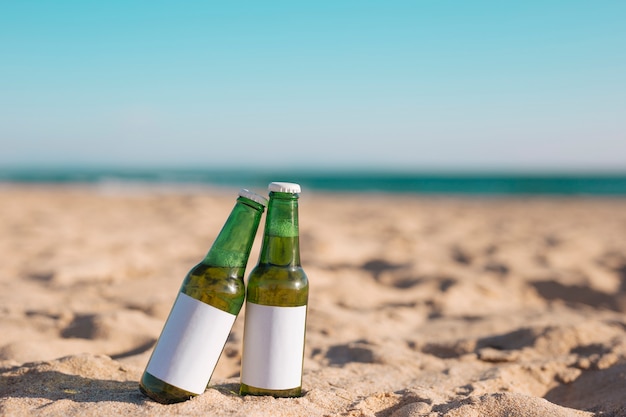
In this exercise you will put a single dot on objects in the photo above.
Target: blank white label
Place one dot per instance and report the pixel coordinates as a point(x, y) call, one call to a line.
point(190, 344)
point(273, 346)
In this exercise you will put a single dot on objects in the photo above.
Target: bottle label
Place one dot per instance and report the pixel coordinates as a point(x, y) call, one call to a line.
point(273, 346)
point(190, 345)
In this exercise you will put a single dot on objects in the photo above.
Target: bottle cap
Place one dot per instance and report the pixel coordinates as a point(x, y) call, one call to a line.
point(284, 187)
point(253, 196)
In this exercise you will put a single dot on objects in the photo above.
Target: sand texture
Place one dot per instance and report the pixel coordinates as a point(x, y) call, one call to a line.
point(419, 306)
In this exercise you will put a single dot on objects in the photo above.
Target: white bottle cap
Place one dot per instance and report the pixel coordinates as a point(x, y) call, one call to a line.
point(284, 187)
point(253, 196)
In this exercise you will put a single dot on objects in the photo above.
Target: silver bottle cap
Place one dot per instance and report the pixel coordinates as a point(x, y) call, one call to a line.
point(284, 187)
point(253, 196)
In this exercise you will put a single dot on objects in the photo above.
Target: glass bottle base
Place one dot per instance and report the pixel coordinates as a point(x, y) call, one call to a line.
point(278, 393)
point(162, 392)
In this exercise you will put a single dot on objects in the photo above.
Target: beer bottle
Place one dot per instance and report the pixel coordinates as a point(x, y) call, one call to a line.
point(205, 309)
point(276, 305)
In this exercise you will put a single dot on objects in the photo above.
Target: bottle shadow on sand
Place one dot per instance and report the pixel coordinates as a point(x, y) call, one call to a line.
point(55, 386)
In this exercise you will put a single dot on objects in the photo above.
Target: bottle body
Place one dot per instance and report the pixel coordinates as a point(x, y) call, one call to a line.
point(274, 332)
point(194, 334)
point(204, 312)
point(276, 307)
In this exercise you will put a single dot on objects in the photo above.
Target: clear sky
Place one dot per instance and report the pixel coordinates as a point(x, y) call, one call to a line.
point(421, 85)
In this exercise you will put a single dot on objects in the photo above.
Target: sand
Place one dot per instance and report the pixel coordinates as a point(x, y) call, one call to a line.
point(419, 305)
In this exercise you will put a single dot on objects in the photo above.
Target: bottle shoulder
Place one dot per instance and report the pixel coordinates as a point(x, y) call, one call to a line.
point(278, 286)
point(270, 272)
point(219, 287)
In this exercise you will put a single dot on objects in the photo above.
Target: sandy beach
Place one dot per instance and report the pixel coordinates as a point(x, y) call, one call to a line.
point(419, 305)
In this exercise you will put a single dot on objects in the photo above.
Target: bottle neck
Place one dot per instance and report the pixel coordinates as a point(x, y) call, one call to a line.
point(233, 244)
point(281, 241)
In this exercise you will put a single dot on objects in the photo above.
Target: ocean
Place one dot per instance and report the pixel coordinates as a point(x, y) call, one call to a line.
point(335, 181)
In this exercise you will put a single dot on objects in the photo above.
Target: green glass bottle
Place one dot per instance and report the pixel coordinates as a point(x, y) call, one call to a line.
point(276, 305)
point(205, 309)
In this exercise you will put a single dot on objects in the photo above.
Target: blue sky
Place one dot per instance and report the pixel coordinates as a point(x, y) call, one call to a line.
point(420, 85)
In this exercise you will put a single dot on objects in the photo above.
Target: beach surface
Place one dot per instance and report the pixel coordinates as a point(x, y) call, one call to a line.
point(419, 305)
